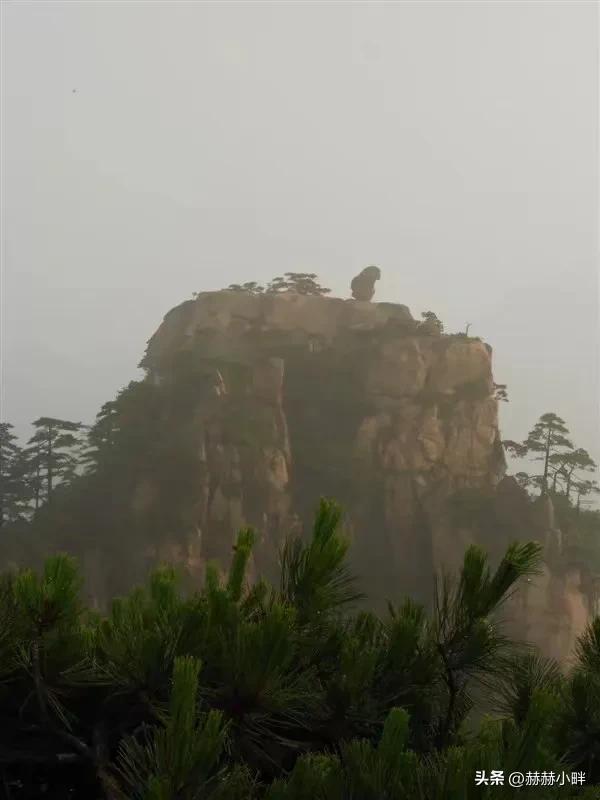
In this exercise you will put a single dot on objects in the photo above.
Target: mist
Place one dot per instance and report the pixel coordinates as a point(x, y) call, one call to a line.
point(151, 150)
point(299, 400)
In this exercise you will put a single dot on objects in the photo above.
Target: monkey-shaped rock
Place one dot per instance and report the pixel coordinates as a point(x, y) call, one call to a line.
point(363, 285)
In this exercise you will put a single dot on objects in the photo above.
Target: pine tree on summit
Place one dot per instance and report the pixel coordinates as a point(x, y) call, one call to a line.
point(299, 282)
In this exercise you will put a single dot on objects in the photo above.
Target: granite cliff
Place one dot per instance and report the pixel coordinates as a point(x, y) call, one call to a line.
point(255, 405)
point(301, 396)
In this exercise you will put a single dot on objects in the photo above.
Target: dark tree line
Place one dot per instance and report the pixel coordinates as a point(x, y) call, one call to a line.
point(30, 475)
point(72, 485)
point(251, 691)
point(61, 452)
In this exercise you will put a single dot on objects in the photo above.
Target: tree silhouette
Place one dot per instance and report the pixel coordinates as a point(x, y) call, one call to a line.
point(548, 436)
point(566, 467)
point(299, 282)
point(251, 287)
point(515, 449)
point(548, 440)
point(585, 488)
point(431, 322)
point(52, 453)
point(101, 436)
point(13, 477)
point(501, 392)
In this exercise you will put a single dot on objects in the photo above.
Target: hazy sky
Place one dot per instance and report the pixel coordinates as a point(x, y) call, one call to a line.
point(154, 149)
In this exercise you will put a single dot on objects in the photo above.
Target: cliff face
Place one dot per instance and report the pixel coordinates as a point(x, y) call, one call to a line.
point(254, 406)
point(301, 396)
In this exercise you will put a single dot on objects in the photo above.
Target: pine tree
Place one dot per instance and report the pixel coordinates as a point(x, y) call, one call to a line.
point(101, 436)
point(579, 720)
point(563, 464)
point(52, 453)
point(566, 466)
point(547, 438)
point(250, 287)
point(13, 477)
point(501, 392)
point(584, 489)
point(432, 323)
point(179, 758)
point(468, 644)
point(33, 462)
point(299, 282)
point(241, 691)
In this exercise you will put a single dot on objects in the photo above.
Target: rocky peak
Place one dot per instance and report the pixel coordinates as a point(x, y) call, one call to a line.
point(318, 395)
point(256, 404)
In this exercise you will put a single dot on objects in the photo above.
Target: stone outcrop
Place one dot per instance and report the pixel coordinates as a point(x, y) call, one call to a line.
point(363, 285)
point(302, 396)
point(255, 405)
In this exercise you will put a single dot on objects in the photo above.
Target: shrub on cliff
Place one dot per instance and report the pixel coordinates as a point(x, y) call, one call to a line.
point(431, 324)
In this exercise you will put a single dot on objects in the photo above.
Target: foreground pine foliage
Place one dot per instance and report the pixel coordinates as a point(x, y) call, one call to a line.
point(243, 691)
